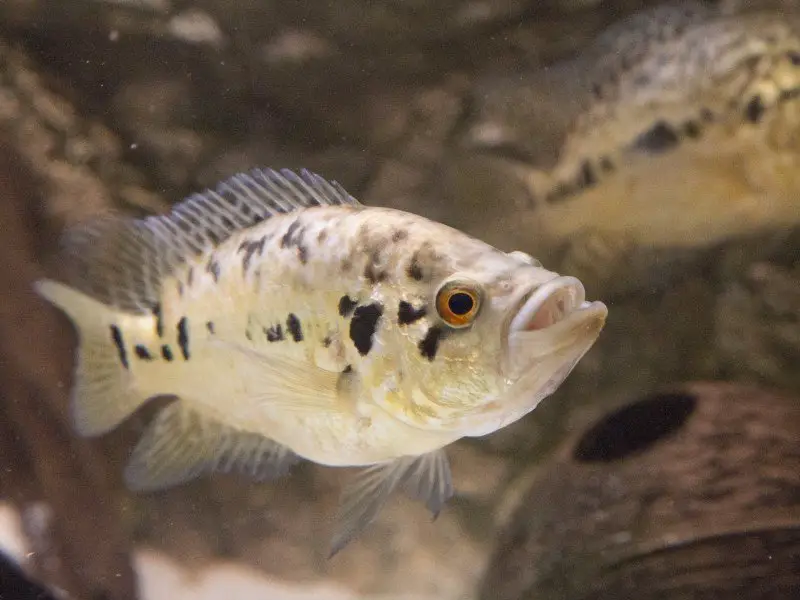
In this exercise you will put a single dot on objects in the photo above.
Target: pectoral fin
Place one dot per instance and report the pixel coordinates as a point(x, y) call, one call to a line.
point(426, 478)
point(288, 384)
point(181, 444)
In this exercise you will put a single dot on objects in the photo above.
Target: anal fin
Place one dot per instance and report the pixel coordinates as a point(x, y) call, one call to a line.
point(426, 478)
point(181, 444)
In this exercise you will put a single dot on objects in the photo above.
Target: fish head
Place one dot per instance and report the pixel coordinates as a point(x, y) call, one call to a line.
point(509, 333)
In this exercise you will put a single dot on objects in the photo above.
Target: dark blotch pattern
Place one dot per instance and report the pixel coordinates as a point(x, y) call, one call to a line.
point(692, 129)
point(274, 333)
point(210, 327)
point(294, 238)
point(755, 109)
point(142, 352)
point(429, 345)
point(288, 239)
point(414, 270)
point(212, 266)
point(406, 313)
point(190, 277)
point(293, 326)
point(166, 353)
point(159, 320)
point(587, 175)
point(116, 336)
point(372, 272)
point(249, 249)
point(363, 326)
point(659, 138)
point(183, 337)
point(399, 235)
point(346, 306)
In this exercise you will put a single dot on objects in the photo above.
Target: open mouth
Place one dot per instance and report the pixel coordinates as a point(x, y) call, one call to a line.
point(551, 303)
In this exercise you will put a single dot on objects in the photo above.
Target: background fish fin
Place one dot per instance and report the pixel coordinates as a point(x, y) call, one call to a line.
point(429, 480)
point(182, 444)
point(425, 477)
point(123, 262)
point(102, 395)
point(288, 384)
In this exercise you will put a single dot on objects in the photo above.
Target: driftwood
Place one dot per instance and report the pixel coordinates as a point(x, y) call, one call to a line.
point(692, 493)
point(41, 461)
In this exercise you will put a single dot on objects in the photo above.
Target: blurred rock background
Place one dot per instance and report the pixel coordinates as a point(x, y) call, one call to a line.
point(481, 114)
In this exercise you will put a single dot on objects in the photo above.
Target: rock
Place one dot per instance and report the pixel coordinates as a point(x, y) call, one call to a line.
point(691, 492)
point(757, 324)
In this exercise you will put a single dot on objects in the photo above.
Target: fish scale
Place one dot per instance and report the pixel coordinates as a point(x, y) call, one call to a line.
point(290, 322)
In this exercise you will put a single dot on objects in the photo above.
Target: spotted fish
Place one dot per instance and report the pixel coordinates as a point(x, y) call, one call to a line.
point(290, 322)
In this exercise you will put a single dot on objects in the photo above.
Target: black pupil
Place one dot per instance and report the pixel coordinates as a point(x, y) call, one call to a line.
point(460, 303)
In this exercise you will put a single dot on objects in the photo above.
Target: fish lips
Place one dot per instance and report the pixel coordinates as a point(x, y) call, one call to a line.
point(554, 327)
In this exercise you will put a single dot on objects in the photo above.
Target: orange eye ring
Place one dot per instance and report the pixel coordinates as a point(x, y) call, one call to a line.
point(458, 304)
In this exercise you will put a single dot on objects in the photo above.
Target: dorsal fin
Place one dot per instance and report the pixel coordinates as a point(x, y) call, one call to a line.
point(122, 262)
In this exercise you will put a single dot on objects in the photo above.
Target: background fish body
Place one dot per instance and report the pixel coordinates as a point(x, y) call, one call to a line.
point(289, 321)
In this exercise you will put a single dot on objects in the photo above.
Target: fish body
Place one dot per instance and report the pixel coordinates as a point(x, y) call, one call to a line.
point(290, 322)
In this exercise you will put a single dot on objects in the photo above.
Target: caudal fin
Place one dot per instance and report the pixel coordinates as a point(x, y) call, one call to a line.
point(103, 394)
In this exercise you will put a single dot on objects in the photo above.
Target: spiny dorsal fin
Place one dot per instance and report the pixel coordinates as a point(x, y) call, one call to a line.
point(122, 262)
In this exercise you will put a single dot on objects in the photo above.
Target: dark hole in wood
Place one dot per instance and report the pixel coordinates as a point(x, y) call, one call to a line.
point(635, 428)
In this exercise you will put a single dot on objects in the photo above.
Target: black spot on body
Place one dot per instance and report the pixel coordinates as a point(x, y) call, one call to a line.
point(288, 240)
point(399, 235)
point(429, 345)
point(142, 352)
point(327, 341)
point(212, 266)
point(249, 248)
point(587, 175)
point(363, 326)
point(322, 235)
point(274, 333)
point(190, 277)
point(302, 254)
point(294, 328)
point(183, 337)
point(293, 238)
point(159, 320)
point(414, 270)
point(372, 272)
point(116, 336)
point(210, 327)
point(406, 313)
point(606, 164)
point(755, 109)
point(166, 353)
point(794, 57)
point(346, 306)
point(348, 369)
point(659, 138)
point(692, 129)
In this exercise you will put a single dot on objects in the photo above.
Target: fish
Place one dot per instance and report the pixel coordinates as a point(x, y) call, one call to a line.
point(287, 321)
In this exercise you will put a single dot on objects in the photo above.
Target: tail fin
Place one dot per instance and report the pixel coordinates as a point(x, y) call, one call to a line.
point(103, 395)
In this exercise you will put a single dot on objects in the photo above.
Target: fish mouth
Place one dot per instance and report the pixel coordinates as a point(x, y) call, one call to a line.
point(554, 322)
point(560, 299)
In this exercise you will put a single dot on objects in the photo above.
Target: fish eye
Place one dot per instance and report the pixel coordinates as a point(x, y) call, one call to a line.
point(458, 304)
